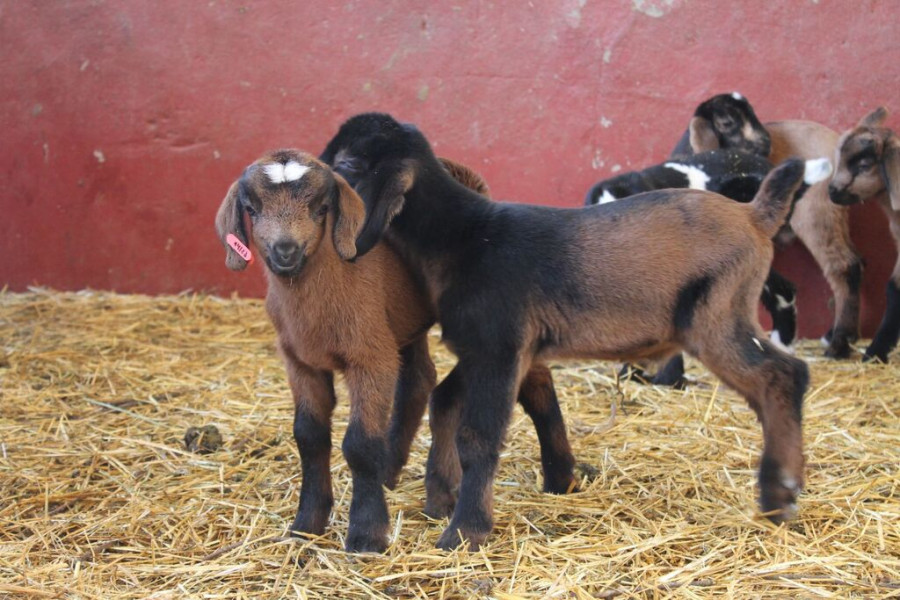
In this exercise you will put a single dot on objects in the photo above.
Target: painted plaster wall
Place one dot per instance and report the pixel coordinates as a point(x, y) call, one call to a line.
point(124, 122)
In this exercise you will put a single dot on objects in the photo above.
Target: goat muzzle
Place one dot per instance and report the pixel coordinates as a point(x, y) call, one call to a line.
point(841, 196)
point(285, 258)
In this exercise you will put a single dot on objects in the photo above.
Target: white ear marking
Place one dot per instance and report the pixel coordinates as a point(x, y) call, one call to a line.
point(816, 170)
point(697, 178)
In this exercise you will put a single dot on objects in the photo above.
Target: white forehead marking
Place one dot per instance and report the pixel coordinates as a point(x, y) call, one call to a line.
point(736, 96)
point(606, 197)
point(697, 179)
point(281, 173)
point(816, 170)
point(294, 171)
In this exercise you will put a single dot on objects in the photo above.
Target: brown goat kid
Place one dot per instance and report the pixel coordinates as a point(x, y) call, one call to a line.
point(516, 285)
point(305, 220)
point(868, 166)
point(366, 318)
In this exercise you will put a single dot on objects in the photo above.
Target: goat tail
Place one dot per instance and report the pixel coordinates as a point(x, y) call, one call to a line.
point(781, 187)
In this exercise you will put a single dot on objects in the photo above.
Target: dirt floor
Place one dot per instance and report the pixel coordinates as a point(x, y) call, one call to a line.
point(100, 498)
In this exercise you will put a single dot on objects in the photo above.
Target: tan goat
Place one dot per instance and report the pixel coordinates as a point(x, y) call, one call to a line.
point(868, 166)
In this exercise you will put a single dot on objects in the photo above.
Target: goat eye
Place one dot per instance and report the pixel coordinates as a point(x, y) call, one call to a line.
point(322, 210)
point(250, 210)
point(865, 164)
point(351, 165)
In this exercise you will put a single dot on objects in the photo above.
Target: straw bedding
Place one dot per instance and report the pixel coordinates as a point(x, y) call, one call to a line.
point(100, 498)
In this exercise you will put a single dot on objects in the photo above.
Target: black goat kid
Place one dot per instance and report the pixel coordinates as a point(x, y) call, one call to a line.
point(516, 285)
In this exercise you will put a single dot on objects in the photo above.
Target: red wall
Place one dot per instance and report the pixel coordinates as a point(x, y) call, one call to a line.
point(124, 122)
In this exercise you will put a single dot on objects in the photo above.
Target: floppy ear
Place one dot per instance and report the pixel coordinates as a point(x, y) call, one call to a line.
point(466, 176)
point(350, 212)
point(702, 135)
point(230, 220)
point(890, 170)
point(382, 191)
point(874, 118)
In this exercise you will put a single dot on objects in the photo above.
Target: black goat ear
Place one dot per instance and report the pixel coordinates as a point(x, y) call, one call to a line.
point(875, 118)
point(350, 215)
point(890, 165)
point(382, 192)
point(230, 221)
point(702, 136)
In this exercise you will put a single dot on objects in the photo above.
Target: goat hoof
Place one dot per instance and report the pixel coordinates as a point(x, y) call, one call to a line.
point(451, 539)
point(438, 506)
point(875, 356)
point(630, 372)
point(561, 486)
point(365, 542)
point(305, 523)
point(779, 501)
point(838, 349)
point(678, 383)
point(393, 475)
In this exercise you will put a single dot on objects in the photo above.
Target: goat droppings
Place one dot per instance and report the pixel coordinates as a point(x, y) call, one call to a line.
point(816, 170)
point(282, 173)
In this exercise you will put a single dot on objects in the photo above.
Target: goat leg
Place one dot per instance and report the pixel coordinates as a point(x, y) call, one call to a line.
point(313, 404)
point(442, 473)
point(416, 380)
point(538, 397)
point(773, 382)
point(888, 331)
point(780, 299)
point(489, 386)
point(365, 448)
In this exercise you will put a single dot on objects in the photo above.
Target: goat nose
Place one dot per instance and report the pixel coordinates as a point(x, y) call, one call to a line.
point(285, 250)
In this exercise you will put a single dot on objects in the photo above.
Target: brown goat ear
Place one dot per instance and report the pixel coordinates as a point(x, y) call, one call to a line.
point(230, 220)
point(890, 165)
point(466, 176)
point(702, 135)
point(350, 215)
point(875, 118)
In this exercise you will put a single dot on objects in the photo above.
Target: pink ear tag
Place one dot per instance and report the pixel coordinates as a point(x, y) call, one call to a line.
point(238, 246)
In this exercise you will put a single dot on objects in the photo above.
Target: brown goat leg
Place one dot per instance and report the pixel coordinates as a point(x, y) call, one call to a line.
point(823, 229)
point(538, 397)
point(442, 473)
point(314, 401)
point(489, 385)
point(773, 383)
point(365, 448)
point(416, 380)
